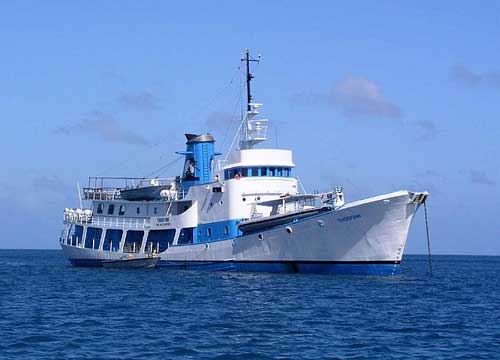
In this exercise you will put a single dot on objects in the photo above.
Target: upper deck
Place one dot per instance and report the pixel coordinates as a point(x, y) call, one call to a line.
point(113, 188)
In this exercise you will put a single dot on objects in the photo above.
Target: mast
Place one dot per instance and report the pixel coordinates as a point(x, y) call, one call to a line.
point(252, 131)
point(249, 77)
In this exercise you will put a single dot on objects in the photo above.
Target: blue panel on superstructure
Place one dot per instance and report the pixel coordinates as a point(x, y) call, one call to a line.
point(216, 231)
point(93, 238)
point(112, 240)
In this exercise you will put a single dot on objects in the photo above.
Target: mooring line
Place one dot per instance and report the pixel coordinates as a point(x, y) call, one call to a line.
point(428, 238)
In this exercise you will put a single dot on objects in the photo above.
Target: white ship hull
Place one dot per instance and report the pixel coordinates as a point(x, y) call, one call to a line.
point(363, 237)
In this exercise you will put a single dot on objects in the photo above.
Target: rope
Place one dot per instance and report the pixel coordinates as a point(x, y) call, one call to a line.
point(164, 167)
point(428, 238)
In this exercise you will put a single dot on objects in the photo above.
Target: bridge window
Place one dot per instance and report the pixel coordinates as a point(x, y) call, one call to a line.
point(93, 238)
point(133, 241)
point(112, 240)
point(111, 209)
point(100, 208)
point(257, 171)
point(186, 236)
point(121, 210)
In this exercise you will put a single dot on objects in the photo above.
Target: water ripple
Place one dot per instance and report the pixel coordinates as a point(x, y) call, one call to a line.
point(51, 310)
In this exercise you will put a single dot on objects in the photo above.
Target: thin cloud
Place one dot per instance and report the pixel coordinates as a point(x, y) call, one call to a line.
point(355, 97)
point(113, 76)
point(49, 183)
point(144, 101)
point(220, 121)
point(428, 180)
point(426, 130)
point(470, 78)
point(479, 177)
point(106, 127)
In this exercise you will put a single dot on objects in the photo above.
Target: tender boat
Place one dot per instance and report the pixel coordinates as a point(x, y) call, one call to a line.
point(241, 212)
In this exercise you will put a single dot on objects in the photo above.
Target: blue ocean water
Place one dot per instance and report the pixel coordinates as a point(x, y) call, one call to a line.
point(50, 310)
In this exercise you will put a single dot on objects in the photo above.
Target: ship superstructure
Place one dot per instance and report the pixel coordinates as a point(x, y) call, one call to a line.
point(241, 213)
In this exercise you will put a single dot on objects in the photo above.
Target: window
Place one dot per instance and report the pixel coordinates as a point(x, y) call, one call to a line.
point(209, 232)
point(111, 209)
point(286, 172)
point(271, 171)
point(77, 235)
point(226, 230)
point(255, 171)
point(279, 172)
point(138, 210)
point(112, 240)
point(159, 240)
point(93, 238)
point(155, 211)
point(244, 172)
point(186, 236)
point(121, 210)
point(100, 208)
point(133, 241)
point(263, 171)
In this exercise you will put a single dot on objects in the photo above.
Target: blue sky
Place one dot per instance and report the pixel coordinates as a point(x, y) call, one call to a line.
point(375, 96)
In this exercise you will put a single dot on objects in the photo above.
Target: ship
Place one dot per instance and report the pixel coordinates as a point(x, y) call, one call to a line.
point(243, 212)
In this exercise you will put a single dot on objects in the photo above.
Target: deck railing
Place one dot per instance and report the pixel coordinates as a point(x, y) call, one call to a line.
point(85, 216)
point(121, 222)
point(108, 188)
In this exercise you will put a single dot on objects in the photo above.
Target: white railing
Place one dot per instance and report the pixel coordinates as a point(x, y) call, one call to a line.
point(85, 216)
point(78, 216)
point(121, 222)
point(257, 129)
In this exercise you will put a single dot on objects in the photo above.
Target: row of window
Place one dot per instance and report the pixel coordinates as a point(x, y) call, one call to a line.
point(257, 171)
point(121, 209)
point(157, 240)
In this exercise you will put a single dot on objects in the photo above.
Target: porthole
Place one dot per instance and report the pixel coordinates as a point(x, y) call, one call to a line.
point(321, 223)
point(220, 202)
point(289, 229)
point(244, 199)
point(260, 237)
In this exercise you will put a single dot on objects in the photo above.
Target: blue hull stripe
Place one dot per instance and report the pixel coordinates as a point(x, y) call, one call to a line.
point(325, 267)
point(86, 262)
point(353, 268)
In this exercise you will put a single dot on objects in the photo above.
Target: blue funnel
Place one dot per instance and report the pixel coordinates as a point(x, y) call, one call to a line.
point(199, 160)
